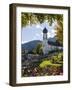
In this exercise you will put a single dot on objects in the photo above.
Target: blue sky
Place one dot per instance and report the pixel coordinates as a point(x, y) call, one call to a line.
point(34, 32)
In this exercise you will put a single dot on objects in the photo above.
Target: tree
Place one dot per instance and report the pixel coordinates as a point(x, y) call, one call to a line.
point(38, 49)
point(59, 32)
point(34, 18)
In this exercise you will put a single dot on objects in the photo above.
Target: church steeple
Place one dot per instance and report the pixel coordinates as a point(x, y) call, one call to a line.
point(45, 41)
point(45, 33)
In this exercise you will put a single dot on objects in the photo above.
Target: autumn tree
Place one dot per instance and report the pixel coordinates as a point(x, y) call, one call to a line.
point(37, 18)
point(59, 32)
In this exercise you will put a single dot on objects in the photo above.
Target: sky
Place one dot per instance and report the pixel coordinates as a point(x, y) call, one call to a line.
point(35, 32)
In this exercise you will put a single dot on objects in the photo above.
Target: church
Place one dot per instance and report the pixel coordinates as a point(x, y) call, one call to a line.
point(46, 46)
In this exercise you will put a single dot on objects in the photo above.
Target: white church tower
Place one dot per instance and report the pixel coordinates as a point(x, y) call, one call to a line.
point(45, 42)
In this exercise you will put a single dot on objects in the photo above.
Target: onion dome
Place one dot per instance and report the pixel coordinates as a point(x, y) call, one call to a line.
point(45, 30)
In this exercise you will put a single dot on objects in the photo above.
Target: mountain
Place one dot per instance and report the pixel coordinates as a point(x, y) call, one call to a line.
point(53, 41)
point(31, 45)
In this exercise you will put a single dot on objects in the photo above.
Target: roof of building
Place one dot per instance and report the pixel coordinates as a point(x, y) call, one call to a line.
point(45, 30)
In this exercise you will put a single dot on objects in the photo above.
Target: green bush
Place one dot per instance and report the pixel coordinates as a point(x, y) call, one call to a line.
point(48, 63)
point(38, 49)
point(45, 63)
point(60, 56)
point(57, 58)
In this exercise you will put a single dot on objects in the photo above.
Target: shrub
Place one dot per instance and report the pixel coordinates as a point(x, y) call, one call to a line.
point(57, 58)
point(44, 64)
point(48, 63)
point(60, 56)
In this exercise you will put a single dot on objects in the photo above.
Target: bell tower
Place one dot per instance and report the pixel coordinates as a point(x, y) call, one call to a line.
point(45, 41)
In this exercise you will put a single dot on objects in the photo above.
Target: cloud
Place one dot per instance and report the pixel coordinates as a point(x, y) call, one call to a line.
point(48, 35)
point(37, 34)
point(39, 26)
point(53, 31)
point(51, 34)
point(24, 42)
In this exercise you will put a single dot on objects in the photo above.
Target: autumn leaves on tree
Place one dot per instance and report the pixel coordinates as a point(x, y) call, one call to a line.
point(34, 18)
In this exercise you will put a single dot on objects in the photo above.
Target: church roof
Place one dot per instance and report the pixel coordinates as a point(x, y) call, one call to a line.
point(45, 30)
